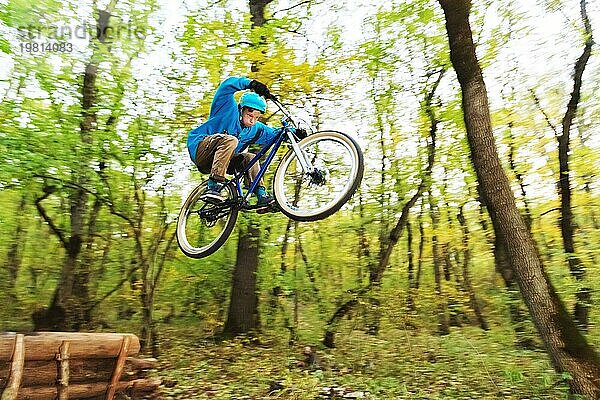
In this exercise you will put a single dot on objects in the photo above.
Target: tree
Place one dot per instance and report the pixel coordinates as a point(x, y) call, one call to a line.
point(567, 348)
point(243, 314)
point(243, 306)
point(14, 255)
point(567, 225)
point(377, 266)
point(466, 282)
point(70, 304)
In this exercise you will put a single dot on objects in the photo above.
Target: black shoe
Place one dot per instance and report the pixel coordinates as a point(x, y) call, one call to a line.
point(212, 196)
point(266, 204)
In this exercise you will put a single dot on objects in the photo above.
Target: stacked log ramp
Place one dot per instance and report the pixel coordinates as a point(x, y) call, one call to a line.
point(59, 365)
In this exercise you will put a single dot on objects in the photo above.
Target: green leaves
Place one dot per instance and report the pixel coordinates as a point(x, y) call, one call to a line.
point(372, 80)
point(5, 46)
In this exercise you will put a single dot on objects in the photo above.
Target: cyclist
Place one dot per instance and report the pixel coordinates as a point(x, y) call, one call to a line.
point(219, 145)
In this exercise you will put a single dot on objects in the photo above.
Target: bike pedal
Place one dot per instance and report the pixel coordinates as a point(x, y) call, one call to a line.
point(250, 207)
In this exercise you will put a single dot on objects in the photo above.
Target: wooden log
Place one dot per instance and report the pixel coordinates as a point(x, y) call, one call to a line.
point(3, 376)
point(142, 364)
point(45, 345)
point(16, 370)
point(88, 390)
point(44, 373)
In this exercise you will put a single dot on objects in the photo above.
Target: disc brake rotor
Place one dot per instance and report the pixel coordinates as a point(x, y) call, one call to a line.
point(318, 177)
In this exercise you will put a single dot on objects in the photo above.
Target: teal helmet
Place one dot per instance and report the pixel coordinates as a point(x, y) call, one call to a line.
point(253, 100)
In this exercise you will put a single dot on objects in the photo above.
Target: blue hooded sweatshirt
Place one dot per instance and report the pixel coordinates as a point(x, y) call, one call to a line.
point(225, 118)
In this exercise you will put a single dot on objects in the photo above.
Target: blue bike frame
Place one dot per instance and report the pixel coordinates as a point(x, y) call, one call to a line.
point(274, 146)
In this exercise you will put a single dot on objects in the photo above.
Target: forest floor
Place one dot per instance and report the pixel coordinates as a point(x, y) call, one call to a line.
point(396, 364)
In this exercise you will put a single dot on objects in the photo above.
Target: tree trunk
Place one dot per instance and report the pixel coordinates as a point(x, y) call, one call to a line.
point(422, 240)
point(14, 255)
point(275, 302)
point(147, 301)
point(276, 292)
point(243, 306)
point(410, 302)
point(293, 327)
point(567, 225)
point(396, 232)
point(70, 303)
point(518, 176)
point(364, 249)
point(152, 261)
point(443, 327)
point(310, 273)
point(567, 348)
point(468, 286)
point(517, 311)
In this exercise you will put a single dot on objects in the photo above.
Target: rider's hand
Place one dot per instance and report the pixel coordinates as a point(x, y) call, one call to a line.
point(300, 133)
point(260, 89)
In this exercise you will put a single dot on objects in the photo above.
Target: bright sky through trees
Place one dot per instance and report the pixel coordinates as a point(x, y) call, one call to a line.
point(526, 54)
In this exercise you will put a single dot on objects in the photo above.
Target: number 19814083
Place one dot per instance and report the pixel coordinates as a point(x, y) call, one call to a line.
point(56, 47)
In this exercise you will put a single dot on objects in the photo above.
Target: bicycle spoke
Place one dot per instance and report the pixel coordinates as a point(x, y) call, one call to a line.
point(337, 169)
point(203, 227)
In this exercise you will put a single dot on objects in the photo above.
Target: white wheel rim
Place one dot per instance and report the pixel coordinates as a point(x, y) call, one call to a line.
point(286, 200)
point(182, 222)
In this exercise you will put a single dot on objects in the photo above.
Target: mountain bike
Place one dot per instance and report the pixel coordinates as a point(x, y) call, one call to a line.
point(313, 180)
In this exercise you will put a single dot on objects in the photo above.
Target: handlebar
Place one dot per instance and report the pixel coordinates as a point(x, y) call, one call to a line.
point(282, 109)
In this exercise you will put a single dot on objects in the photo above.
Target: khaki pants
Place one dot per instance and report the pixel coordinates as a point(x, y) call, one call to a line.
point(215, 156)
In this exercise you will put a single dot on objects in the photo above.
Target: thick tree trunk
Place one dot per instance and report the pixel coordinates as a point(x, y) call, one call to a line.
point(567, 348)
point(243, 306)
point(517, 311)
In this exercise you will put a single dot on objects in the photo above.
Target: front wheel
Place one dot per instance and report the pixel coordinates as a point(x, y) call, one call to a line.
point(202, 228)
point(312, 195)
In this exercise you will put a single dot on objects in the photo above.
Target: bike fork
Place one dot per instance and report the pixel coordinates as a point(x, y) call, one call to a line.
point(302, 157)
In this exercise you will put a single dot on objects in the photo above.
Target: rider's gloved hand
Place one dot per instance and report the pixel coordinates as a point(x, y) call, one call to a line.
point(260, 89)
point(300, 133)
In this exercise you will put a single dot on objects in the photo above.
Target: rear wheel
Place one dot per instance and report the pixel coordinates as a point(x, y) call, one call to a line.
point(202, 228)
point(338, 169)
